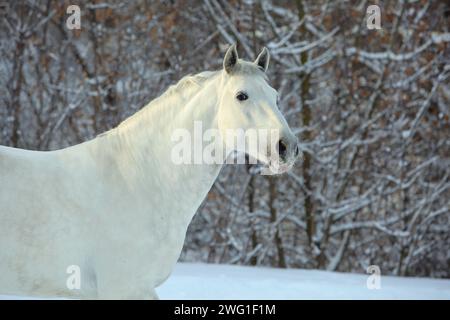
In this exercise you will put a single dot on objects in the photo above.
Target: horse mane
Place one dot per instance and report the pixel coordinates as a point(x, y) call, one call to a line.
point(186, 87)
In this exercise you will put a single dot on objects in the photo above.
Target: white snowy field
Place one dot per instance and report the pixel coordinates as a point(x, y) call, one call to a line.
point(210, 281)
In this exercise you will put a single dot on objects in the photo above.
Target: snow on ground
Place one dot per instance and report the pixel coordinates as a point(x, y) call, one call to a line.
point(210, 281)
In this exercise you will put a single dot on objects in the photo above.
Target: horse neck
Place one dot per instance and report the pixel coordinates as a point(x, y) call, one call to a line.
point(142, 144)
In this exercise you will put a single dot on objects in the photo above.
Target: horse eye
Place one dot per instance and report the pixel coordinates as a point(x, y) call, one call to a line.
point(241, 96)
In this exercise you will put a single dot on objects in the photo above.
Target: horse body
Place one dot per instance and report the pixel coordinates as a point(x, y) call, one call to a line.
point(113, 206)
point(116, 206)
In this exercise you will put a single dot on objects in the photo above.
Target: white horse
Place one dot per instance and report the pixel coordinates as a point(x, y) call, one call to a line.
point(117, 207)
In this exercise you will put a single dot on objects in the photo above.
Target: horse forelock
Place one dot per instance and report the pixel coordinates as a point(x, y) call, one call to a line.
point(248, 69)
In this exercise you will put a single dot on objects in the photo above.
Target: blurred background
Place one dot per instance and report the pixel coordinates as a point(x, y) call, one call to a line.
point(370, 107)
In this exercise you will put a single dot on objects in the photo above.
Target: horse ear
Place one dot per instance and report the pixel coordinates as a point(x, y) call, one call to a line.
point(263, 59)
point(231, 59)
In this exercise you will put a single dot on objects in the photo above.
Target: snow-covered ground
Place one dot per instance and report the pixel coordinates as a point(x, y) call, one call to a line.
point(209, 281)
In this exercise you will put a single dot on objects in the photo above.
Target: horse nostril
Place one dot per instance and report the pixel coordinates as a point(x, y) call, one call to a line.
point(282, 149)
point(296, 150)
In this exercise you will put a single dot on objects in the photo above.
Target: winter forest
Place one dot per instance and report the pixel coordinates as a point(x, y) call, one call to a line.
point(369, 106)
